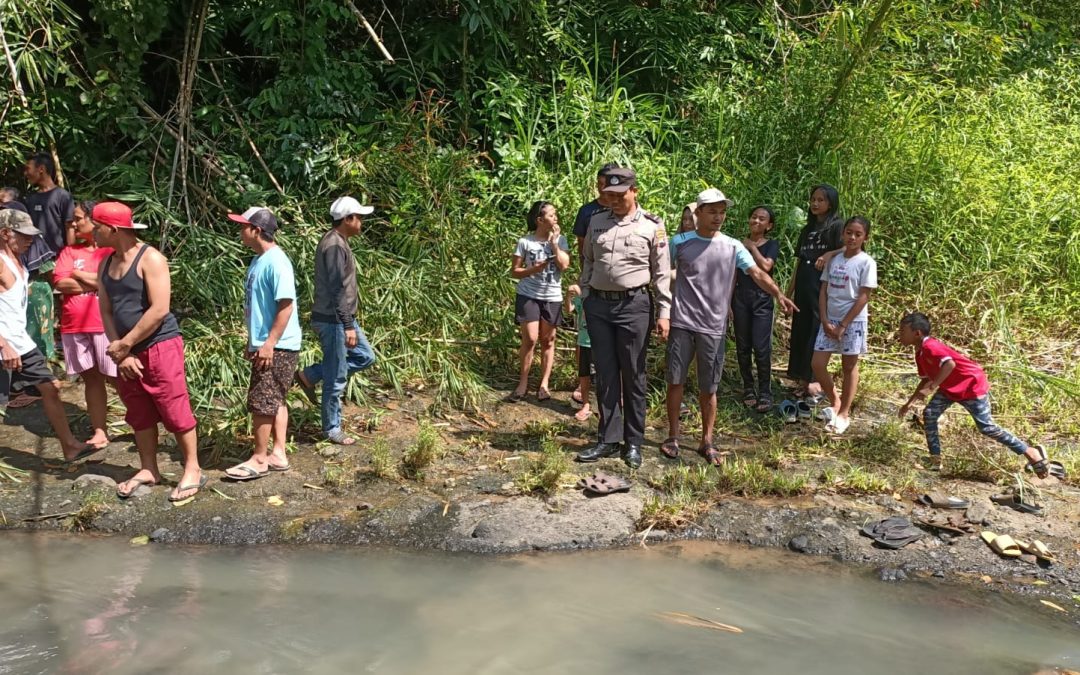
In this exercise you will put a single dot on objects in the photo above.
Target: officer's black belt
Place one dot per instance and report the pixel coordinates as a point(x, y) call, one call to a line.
point(617, 295)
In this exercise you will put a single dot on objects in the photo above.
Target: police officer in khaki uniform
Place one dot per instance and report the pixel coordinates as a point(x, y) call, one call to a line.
point(625, 249)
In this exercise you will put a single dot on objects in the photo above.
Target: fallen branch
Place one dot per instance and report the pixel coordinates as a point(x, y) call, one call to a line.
point(243, 130)
point(50, 516)
point(370, 30)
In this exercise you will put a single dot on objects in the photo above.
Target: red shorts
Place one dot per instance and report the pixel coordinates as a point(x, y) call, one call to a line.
point(161, 395)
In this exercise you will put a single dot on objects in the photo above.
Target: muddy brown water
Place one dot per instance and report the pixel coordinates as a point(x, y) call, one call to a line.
point(96, 605)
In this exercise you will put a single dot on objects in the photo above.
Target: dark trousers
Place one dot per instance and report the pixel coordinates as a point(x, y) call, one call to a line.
point(804, 323)
point(752, 311)
point(619, 330)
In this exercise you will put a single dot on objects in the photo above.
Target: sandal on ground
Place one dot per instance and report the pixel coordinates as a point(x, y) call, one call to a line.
point(804, 409)
point(279, 468)
point(514, 397)
point(138, 482)
point(940, 500)
point(601, 483)
point(712, 455)
point(799, 392)
point(87, 451)
point(749, 398)
point(1016, 502)
point(1037, 549)
point(895, 532)
point(543, 394)
point(576, 397)
point(1002, 544)
point(670, 447)
point(583, 415)
point(249, 473)
point(764, 404)
point(309, 391)
point(838, 426)
point(23, 400)
point(197, 487)
point(339, 437)
point(953, 523)
point(789, 412)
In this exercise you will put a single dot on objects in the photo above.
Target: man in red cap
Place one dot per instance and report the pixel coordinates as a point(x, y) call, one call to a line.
point(145, 344)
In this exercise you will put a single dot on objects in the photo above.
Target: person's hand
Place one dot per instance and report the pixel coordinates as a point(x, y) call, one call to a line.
point(663, 326)
point(12, 361)
point(351, 339)
point(840, 330)
point(130, 368)
point(573, 291)
point(830, 329)
point(118, 350)
point(553, 235)
point(786, 305)
point(819, 264)
point(749, 244)
point(903, 411)
point(263, 358)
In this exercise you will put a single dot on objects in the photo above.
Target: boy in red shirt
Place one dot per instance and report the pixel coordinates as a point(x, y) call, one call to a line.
point(954, 378)
point(81, 330)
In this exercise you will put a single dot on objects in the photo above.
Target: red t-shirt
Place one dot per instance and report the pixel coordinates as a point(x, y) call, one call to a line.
point(79, 313)
point(966, 381)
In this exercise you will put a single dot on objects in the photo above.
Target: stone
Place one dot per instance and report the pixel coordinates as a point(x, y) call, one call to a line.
point(363, 506)
point(95, 480)
point(799, 544)
point(159, 534)
point(892, 574)
point(979, 512)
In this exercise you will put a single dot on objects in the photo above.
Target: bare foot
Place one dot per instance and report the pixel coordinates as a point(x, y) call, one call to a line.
point(98, 440)
point(256, 463)
point(141, 477)
point(189, 485)
point(584, 414)
point(278, 460)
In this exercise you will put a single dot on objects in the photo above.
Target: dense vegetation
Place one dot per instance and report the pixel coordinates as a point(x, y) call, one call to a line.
point(953, 124)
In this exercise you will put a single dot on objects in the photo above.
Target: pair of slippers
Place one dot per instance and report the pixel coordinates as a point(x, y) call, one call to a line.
point(601, 483)
point(1007, 547)
point(893, 533)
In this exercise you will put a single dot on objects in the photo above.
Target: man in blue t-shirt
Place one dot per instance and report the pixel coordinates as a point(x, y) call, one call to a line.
point(273, 342)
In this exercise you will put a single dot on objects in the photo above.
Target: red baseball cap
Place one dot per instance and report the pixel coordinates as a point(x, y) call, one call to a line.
point(115, 214)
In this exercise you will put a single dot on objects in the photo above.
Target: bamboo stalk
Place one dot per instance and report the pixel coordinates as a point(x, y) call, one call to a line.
point(11, 65)
point(370, 30)
point(244, 131)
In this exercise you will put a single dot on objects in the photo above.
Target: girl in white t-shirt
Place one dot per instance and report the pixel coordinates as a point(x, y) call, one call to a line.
point(848, 279)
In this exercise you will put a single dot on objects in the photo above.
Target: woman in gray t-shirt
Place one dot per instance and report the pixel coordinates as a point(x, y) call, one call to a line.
point(539, 261)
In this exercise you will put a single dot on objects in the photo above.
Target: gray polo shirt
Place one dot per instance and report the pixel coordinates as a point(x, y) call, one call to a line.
point(704, 280)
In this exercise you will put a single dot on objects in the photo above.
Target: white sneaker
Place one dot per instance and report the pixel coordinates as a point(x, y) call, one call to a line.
point(839, 425)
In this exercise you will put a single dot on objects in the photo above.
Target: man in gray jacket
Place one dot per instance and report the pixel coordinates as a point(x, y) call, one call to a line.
point(333, 316)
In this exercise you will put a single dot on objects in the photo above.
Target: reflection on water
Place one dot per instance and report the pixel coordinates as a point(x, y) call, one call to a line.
point(78, 605)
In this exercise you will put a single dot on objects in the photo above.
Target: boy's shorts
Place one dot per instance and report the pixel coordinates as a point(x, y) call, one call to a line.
point(161, 395)
point(83, 351)
point(268, 388)
point(585, 366)
point(684, 345)
point(853, 342)
point(35, 370)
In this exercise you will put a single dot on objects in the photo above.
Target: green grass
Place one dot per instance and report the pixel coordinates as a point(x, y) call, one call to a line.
point(542, 472)
point(427, 449)
point(382, 460)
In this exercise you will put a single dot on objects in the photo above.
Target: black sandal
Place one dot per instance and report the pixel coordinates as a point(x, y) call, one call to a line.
point(670, 447)
point(764, 404)
point(712, 455)
point(749, 398)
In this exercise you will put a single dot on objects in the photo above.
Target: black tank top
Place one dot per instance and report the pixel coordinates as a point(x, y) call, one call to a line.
point(129, 302)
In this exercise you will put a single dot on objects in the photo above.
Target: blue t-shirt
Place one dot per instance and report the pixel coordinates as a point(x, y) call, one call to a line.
point(270, 279)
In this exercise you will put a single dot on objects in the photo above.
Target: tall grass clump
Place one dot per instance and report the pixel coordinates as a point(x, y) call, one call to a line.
point(419, 456)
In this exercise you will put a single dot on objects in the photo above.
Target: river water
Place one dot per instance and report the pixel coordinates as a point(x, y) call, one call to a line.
point(88, 605)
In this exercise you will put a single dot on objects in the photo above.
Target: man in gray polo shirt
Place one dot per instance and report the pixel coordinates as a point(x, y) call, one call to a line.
point(705, 261)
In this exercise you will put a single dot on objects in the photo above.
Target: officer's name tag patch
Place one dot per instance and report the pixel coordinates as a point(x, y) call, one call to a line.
point(646, 230)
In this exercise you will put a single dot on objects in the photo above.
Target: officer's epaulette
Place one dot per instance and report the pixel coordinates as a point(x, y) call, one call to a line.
point(653, 217)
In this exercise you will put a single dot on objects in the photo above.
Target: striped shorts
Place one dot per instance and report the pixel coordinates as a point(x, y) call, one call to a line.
point(83, 351)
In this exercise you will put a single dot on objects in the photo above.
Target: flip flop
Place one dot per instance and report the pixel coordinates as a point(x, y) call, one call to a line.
point(712, 455)
point(543, 395)
point(583, 415)
point(670, 447)
point(514, 397)
point(203, 480)
point(838, 426)
point(826, 414)
point(139, 482)
point(1016, 502)
point(88, 451)
point(309, 391)
point(940, 500)
point(894, 533)
point(576, 397)
point(749, 399)
point(764, 405)
point(789, 412)
point(340, 438)
point(252, 474)
point(279, 469)
point(952, 524)
point(23, 400)
point(1002, 544)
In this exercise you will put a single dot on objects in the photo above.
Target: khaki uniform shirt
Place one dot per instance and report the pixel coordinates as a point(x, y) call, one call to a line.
point(622, 254)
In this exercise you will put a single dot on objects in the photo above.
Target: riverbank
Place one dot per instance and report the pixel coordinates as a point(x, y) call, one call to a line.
point(501, 481)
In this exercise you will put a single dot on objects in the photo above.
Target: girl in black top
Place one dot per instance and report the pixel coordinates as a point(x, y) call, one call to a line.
point(820, 235)
point(752, 311)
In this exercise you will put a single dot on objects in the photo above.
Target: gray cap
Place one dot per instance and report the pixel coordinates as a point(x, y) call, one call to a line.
point(10, 219)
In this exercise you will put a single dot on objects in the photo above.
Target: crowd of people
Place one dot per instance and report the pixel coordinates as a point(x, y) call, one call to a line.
point(116, 328)
point(634, 281)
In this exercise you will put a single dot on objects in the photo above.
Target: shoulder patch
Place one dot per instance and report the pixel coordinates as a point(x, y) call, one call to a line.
point(653, 217)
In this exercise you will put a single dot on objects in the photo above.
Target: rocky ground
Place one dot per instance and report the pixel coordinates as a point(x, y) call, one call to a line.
point(501, 482)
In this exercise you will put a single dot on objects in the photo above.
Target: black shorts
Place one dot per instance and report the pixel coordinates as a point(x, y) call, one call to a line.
point(527, 310)
point(585, 366)
point(35, 370)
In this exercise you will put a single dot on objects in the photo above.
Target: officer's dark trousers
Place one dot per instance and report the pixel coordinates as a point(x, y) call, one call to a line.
point(619, 330)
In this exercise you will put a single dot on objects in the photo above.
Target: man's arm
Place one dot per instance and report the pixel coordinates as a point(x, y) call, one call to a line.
point(336, 259)
point(155, 274)
point(927, 386)
point(660, 266)
point(265, 354)
point(766, 283)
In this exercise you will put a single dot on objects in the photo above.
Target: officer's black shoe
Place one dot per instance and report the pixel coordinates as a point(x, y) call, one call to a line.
point(632, 456)
point(598, 452)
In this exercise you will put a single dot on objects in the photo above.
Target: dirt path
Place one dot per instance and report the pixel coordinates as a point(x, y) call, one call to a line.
point(502, 481)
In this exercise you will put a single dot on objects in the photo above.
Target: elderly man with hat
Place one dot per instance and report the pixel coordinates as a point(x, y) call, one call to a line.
point(345, 349)
point(134, 293)
point(624, 251)
point(273, 342)
point(23, 360)
point(705, 261)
